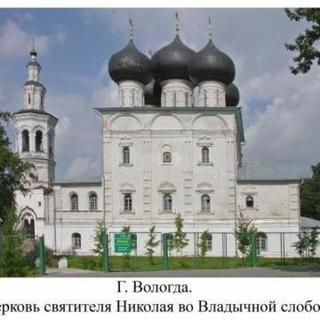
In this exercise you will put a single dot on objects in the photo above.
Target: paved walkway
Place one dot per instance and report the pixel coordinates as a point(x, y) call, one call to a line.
point(283, 271)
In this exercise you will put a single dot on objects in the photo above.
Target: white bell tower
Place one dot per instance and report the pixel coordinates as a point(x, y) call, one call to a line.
point(35, 128)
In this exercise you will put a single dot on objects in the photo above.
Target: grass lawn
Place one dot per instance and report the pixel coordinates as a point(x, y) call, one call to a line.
point(140, 263)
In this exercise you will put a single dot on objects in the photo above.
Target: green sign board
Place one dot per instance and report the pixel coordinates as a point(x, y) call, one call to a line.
point(122, 242)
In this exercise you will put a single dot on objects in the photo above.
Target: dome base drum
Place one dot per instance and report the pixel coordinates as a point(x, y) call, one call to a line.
point(212, 94)
point(176, 93)
point(131, 94)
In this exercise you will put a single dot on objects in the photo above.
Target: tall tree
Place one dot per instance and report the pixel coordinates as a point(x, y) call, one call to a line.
point(100, 232)
point(310, 194)
point(151, 244)
point(15, 174)
point(306, 44)
point(180, 240)
point(244, 228)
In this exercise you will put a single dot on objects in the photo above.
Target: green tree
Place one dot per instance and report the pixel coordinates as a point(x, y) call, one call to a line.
point(308, 241)
point(151, 244)
point(306, 44)
point(244, 228)
point(179, 241)
point(203, 244)
point(310, 194)
point(13, 263)
point(126, 256)
point(15, 174)
point(100, 231)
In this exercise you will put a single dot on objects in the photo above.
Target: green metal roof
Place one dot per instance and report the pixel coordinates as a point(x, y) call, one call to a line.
point(81, 181)
point(260, 171)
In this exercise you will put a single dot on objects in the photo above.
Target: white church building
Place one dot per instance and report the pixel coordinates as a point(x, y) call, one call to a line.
point(172, 145)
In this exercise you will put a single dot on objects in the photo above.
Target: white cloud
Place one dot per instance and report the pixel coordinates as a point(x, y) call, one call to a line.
point(105, 96)
point(283, 124)
point(15, 41)
point(81, 167)
point(287, 131)
point(63, 128)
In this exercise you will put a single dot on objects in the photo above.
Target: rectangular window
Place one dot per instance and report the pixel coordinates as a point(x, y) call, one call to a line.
point(126, 155)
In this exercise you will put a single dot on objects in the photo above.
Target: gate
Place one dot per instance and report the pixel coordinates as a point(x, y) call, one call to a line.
point(127, 251)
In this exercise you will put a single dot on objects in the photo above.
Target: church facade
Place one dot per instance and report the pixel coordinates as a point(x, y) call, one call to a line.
point(172, 145)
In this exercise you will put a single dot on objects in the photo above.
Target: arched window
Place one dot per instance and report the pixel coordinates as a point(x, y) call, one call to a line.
point(127, 202)
point(29, 98)
point(50, 138)
point(133, 241)
point(76, 241)
point(205, 154)
point(249, 202)
point(126, 155)
point(93, 201)
point(74, 202)
point(262, 241)
point(25, 141)
point(39, 141)
point(186, 99)
point(166, 157)
point(205, 203)
point(167, 202)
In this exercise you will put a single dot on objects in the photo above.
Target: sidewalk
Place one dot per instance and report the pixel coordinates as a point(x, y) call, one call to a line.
point(285, 271)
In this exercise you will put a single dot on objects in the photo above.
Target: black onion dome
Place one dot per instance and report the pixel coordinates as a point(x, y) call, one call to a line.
point(130, 64)
point(152, 93)
point(171, 61)
point(232, 95)
point(211, 64)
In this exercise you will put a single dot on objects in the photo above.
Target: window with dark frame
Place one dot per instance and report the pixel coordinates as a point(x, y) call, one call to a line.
point(205, 155)
point(126, 155)
point(262, 241)
point(249, 202)
point(205, 203)
point(166, 157)
point(74, 202)
point(38, 141)
point(127, 202)
point(93, 199)
point(167, 202)
point(76, 241)
point(25, 141)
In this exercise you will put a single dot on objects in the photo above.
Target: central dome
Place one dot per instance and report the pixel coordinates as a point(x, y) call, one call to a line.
point(211, 64)
point(130, 64)
point(171, 62)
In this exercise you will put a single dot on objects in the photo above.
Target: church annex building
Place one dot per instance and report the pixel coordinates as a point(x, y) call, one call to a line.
point(172, 145)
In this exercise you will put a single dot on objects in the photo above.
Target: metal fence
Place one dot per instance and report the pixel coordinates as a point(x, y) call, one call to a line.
point(193, 250)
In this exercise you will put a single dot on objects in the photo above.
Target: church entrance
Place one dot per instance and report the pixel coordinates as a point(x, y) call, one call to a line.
point(28, 225)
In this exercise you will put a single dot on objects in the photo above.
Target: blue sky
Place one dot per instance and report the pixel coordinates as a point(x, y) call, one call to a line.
point(281, 112)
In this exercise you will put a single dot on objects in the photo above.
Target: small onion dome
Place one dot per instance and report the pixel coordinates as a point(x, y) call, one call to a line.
point(171, 61)
point(232, 95)
point(130, 64)
point(152, 93)
point(211, 64)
